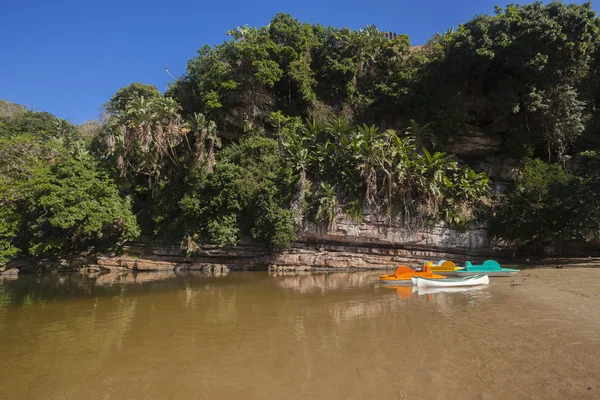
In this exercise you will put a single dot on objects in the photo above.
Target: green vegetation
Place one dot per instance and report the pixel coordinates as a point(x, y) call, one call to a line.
point(551, 207)
point(54, 196)
point(293, 123)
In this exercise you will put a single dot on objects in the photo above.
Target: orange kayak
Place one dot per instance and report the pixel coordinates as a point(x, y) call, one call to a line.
point(404, 273)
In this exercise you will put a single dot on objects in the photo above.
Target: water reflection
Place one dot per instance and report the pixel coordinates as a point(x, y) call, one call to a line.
point(323, 282)
point(438, 290)
point(29, 289)
point(446, 301)
point(406, 292)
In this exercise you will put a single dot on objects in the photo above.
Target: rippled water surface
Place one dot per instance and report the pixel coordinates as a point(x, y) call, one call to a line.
point(261, 336)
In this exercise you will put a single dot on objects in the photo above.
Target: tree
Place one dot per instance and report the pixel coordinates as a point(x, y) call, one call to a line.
point(54, 201)
point(431, 173)
point(366, 141)
point(299, 157)
point(213, 141)
point(524, 214)
point(247, 196)
point(197, 125)
point(144, 137)
point(327, 205)
point(551, 207)
point(74, 206)
point(422, 135)
point(120, 100)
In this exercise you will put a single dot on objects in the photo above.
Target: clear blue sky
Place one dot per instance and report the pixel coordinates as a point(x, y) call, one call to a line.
point(69, 56)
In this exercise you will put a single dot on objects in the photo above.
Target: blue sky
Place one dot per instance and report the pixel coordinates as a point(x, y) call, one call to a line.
point(69, 56)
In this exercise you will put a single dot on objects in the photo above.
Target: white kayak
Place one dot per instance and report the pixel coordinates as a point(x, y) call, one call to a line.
point(472, 280)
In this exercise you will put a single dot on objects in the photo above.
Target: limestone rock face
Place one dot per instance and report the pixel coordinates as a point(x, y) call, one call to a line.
point(376, 243)
point(383, 232)
point(473, 142)
point(10, 272)
point(499, 169)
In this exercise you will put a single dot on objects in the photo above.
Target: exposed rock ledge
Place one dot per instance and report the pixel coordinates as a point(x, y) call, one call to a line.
point(376, 243)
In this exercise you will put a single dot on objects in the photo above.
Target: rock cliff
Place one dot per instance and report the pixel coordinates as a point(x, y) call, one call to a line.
point(375, 243)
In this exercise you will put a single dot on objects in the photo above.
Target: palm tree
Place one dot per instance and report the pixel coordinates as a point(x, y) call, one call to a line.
point(64, 128)
point(150, 130)
point(213, 140)
point(431, 177)
point(298, 153)
point(138, 119)
point(366, 143)
point(403, 151)
point(313, 130)
point(78, 149)
point(197, 125)
point(338, 128)
point(321, 157)
point(299, 156)
point(422, 135)
point(384, 158)
point(364, 44)
point(364, 41)
point(469, 185)
point(328, 203)
point(167, 125)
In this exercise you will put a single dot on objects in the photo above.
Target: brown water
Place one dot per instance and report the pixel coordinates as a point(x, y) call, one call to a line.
point(259, 336)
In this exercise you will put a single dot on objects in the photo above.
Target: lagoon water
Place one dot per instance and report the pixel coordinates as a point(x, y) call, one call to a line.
point(288, 336)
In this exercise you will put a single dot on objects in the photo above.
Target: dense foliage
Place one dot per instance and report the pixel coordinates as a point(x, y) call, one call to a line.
point(54, 196)
point(295, 123)
point(552, 207)
point(528, 73)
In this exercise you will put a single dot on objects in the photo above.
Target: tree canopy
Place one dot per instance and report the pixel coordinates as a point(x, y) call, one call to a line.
point(294, 124)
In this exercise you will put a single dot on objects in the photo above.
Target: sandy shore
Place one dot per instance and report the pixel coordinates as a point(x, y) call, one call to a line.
point(572, 288)
point(562, 306)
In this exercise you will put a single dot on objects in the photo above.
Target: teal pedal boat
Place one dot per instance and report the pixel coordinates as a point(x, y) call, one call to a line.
point(489, 268)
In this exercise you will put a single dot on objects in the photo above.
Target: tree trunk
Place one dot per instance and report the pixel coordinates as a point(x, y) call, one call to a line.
point(211, 157)
point(297, 205)
point(370, 177)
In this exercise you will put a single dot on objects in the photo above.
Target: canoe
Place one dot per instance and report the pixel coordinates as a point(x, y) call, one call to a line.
point(443, 267)
point(472, 280)
point(490, 268)
point(405, 274)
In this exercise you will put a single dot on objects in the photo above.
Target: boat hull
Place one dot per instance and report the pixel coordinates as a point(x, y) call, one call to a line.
point(397, 282)
point(409, 276)
point(488, 273)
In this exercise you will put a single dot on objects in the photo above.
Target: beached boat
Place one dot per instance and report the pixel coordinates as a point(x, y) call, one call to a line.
point(443, 267)
point(472, 280)
point(405, 274)
point(490, 268)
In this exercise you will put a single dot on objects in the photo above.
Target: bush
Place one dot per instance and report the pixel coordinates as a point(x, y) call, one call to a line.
point(247, 195)
point(53, 202)
point(549, 206)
